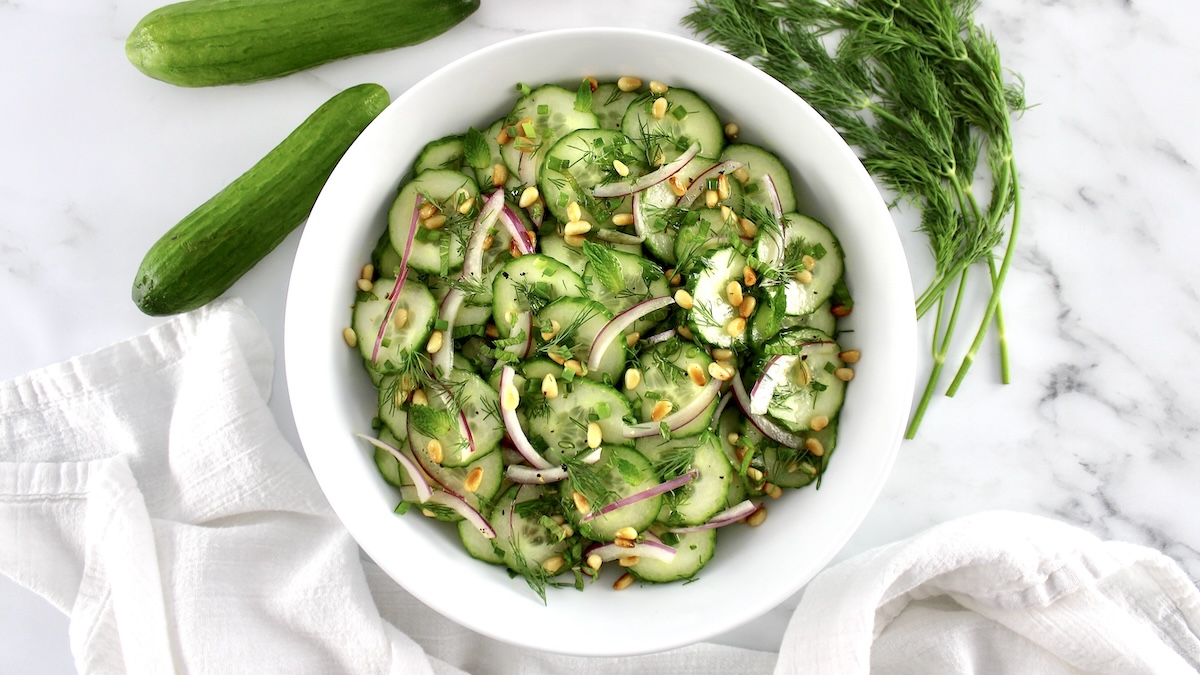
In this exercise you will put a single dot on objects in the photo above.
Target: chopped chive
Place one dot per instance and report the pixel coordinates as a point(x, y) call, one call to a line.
point(751, 188)
point(603, 410)
point(679, 113)
point(829, 367)
point(568, 374)
point(712, 184)
point(530, 132)
point(523, 88)
point(543, 109)
point(441, 324)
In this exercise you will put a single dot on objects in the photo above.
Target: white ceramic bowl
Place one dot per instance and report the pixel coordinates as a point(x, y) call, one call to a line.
point(754, 569)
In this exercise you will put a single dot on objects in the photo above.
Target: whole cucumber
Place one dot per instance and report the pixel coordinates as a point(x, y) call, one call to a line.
point(212, 247)
point(200, 43)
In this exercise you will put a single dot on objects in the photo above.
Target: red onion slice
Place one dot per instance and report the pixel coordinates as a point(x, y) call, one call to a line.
point(764, 388)
point(529, 475)
point(639, 219)
point(697, 184)
point(463, 509)
point(608, 334)
point(512, 424)
point(659, 337)
point(773, 197)
point(516, 229)
point(408, 243)
point(420, 484)
point(652, 548)
point(681, 417)
point(655, 177)
point(729, 516)
point(659, 489)
point(716, 418)
point(762, 422)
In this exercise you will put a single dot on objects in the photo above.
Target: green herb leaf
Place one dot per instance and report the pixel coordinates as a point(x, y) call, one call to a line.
point(475, 149)
point(583, 97)
point(605, 266)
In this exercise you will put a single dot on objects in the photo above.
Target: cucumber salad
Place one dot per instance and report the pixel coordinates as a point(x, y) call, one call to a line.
point(601, 332)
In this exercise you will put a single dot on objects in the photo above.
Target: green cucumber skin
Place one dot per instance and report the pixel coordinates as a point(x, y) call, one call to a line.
point(202, 43)
point(212, 247)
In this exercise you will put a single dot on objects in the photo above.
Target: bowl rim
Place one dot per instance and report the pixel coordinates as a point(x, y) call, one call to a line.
point(307, 404)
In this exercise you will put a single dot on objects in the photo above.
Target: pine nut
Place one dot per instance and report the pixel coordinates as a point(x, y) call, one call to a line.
point(620, 167)
point(556, 357)
point(742, 175)
point(575, 365)
point(735, 327)
point(755, 519)
point(679, 185)
point(434, 449)
point(733, 291)
point(719, 371)
point(528, 197)
point(624, 543)
point(633, 377)
point(554, 328)
point(722, 354)
point(553, 564)
point(623, 583)
point(696, 373)
point(593, 83)
point(575, 240)
point(576, 228)
point(657, 87)
point(723, 187)
point(581, 503)
point(488, 241)
point(594, 435)
point(809, 262)
point(749, 276)
point(503, 137)
point(803, 276)
point(814, 446)
point(474, 479)
point(731, 131)
point(754, 474)
point(819, 422)
point(629, 84)
point(622, 219)
point(659, 108)
point(594, 561)
point(850, 356)
point(499, 175)
point(661, 410)
point(748, 228)
point(435, 222)
point(659, 157)
point(368, 272)
point(776, 492)
point(574, 212)
point(550, 386)
point(727, 214)
point(427, 210)
point(626, 533)
point(628, 561)
point(350, 337)
point(676, 278)
point(400, 318)
point(491, 331)
point(435, 342)
point(733, 438)
point(685, 333)
point(428, 514)
point(419, 397)
point(364, 285)
point(631, 339)
point(711, 198)
point(465, 207)
point(684, 299)
point(747, 306)
point(844, 374)
point(510, 398)
point(841, 311)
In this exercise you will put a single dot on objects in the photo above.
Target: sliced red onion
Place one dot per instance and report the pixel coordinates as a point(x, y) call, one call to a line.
point(697, 185)
point(720, 409)
point(387, 316)
point(731, 515)
point(659, 489)
point(659, 337)
point(621, 189)
point(764, 388)
point(463, 509)
point(593, 456)
point(420, 484)
point(639, 219)
point(512, 424)
point(529, 475)
point(651, 548)
point(608, 334)
point(762, 422)
point(517, 229)
point(680, 418)
point(773, 197)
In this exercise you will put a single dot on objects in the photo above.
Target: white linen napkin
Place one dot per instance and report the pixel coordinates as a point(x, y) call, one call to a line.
point(146, 491)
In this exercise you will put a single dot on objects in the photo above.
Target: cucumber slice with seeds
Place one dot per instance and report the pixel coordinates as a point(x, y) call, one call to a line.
point(399, 345)
point(551, 114)
point(712, 317)
point(435, 251)
point(688, 119)
point(610, 103)
point(580, 161)
point(559, 424)
point(579, 320)
point(664, 369)
point(757, 162)
point(621, 472)
point(694, 550)
point(444, 153)
point(529, 283)
point(706, 495)
point(805, 238)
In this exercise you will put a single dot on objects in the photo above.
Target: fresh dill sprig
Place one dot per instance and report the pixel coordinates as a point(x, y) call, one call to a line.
point(918, 88)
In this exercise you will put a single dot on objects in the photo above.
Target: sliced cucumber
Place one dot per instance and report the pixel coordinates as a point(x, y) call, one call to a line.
point(478, 546)
point(620, 280)
point(443, 153)
point(688, 119)
point(578, 321)
point(398, 345)
point(609, 103)
point(821, 319)
point(711, 231)
point(657, 208)
point(438, 421)
point(805, 238)
point(758, 162)
point(436, 251)
point(711, 317)
point(694, 550)
point(804, 362)
point(621, 472)
point(388, 466)
point(580, 161)
point(523, 540)
point(664, 369)
point(559, 424)
point(529, 283)
point(704, 496)
point(549, 112)
point(483, 175)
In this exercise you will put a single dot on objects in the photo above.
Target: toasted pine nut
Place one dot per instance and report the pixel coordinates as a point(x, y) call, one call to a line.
point(748, 228)
point(499, 174)
point(742, 175)
point(658, 87)
point(428, 514)
point(623, 583)
point(575, 365)
point(629, 83)
point(491, 331)
point(755, 519)
point(685, 333)
point(436, 339)
point(593, 83)
point(841, 311)
point(622, 219)
point(727, 214)
point(427, 210)
point(684, 299)
point(594, 561)
point(731, 131)
point(624, 543)
point(503, 136)
point(465, 207)
point(679, 185)
point(554, 356)
point(659, 157)
point(720, 371)
point(661, 410)
point(594, 435)
point(364, 285)
point(626, 533)
point(435, 222)
point(819, 422)
point(474, 479)
point(711, 198)
point(419, 397)
point(850, 356)
point(754, 474)
point(434, 449)
point(844, 374)
point(803, 276)
point(809, 262)
point(368, 272)
point(575, 240)
point(528, 197)
point(733, 291)
point(722, 354)
point(633, 377)
point(723, 186)
point(400, 318)
point(510, 398)
point(574, 212)
point(488, 241)
point(776, 492)
point(735, 327)
point(628, 561)
point(733, 438)
point(659, 108)
point(554, 328)
point(749, 276)
point(814, 446)
point(747, 306)
point(350, 337)
point(631, 339)
point(553, 564)
point(620, 168)
point(577, 228)
point(550, 386)
point(696, 373)
point(581, 503)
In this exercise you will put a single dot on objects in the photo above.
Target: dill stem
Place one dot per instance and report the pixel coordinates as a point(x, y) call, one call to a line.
point(997, 285)
point(939, 355)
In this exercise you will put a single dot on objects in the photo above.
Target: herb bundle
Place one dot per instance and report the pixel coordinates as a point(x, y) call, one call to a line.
point(918, 89)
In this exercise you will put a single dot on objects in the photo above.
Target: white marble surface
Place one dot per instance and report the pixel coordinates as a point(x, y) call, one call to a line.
point(1099, 427)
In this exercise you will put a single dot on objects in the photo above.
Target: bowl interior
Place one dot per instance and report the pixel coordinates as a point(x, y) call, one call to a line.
point(753, 569)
